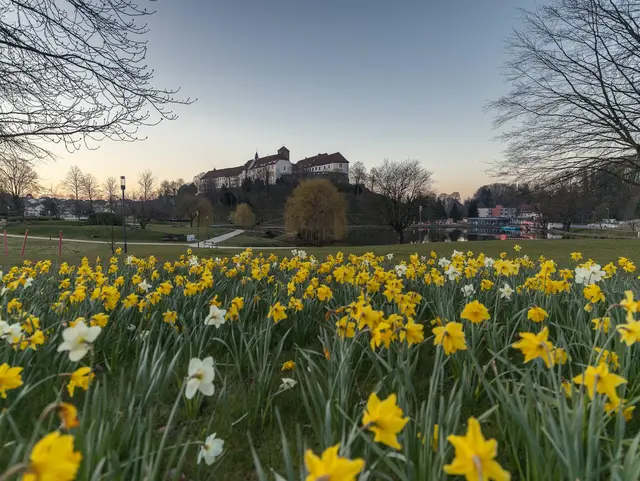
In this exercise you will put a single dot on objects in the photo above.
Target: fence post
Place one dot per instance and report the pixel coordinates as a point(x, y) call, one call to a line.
point(24, 242)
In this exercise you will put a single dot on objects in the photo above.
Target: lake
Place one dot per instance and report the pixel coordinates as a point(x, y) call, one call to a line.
point(384, 236)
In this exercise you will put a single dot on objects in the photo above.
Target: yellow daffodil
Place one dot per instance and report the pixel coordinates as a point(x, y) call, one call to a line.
point(475, 456)
point(603, 324)
point(277, 312)
point(288, 366)
point(450, 337)
point(10, 378)
point(68, 416)
point(170, 317)
point(331, 467)
point(599, 380)
point(53, 458)
point(475, 312)
point(629, 332)
point(80, 378)
point(593, 293)
point(384, 419)
point(537, 314)
point(412, 332)
point(535, 346)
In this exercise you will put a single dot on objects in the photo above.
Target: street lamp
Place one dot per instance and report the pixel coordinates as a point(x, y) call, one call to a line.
point(124, 217)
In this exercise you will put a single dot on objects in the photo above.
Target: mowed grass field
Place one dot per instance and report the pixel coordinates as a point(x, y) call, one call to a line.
point(387, 356)
point(154, 232)
point(600, 250)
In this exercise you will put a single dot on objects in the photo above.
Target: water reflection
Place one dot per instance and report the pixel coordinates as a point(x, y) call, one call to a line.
point(426, 235)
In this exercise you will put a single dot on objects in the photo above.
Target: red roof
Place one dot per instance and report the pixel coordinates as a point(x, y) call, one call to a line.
point(228, 172)
point(320, 159)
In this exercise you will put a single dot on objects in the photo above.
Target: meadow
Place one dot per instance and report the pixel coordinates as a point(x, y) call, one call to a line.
point(320, 365)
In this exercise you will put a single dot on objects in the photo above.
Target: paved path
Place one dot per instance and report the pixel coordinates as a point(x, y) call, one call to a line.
point(87, 241)
point(216, 240)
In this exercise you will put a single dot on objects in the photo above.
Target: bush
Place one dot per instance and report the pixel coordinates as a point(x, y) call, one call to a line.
point(104, 218)
point(243, 216)
point(316, 212)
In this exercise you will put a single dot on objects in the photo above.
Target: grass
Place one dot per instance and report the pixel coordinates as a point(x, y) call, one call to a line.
point(141, 364)
point(604, 250)
point(154, 232)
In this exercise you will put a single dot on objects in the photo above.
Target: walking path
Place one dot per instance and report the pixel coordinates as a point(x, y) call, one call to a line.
point(209, 242)
point(214, 241)
point(87, 241)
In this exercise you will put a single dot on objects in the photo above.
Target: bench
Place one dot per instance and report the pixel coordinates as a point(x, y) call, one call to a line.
point(210, 244)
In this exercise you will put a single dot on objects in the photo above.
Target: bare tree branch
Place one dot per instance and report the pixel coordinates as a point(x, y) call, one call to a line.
point(573, 111)
point(75, 71)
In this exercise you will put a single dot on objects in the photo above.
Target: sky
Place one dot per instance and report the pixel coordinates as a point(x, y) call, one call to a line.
point(371, 79)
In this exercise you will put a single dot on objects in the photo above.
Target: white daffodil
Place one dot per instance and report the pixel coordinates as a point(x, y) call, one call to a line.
point(488, 262)
point(456, 253)
point(215, 317)
point(78, 339)
point(12, 333)
point(131, 327)
point(452, 273)
point(129, 260)
point(144, 334)
point(444, 262)
point(193, 261)
point(468, 290)
point(401, 270)
point(28, 282)
point(287, 383)
point(201, 374)
point(589, 275)
point(505, 292)
point(144, 285)
point(211, 449)
point(389, 256)
point(3, 291)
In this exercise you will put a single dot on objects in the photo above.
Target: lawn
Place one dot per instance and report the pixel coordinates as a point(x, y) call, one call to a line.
point(604, 250)
point(134, 365)
point(154, 232)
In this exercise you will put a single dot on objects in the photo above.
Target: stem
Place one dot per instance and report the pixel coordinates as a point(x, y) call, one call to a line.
point(13, 470)
point(174, 409)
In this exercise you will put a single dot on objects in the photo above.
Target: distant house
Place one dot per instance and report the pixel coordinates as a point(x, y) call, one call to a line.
point(33, 209)
point(502, 211)
point(322, 164)
point(270, 168)
point(485, 212)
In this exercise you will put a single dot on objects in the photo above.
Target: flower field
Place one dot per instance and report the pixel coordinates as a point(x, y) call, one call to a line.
point(338, 369)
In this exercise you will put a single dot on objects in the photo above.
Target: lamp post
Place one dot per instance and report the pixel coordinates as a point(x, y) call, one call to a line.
point(198, 231)
point(124, 216)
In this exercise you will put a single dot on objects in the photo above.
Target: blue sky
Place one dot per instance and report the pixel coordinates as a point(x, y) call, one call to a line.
point(373, 80)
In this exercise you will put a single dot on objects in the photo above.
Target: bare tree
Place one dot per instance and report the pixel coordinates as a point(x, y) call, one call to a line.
point(90, 189)
point(74, 71)
point(358, 174)
point(111, 189)
point(401, 186)
point(73, 184)
point(373, 178)
point(141, 204)
point(574, 105)
point(18, 179)
point(190, 206)
point(51, 203)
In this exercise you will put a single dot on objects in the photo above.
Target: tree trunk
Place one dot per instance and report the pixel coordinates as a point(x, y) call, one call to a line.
point(191, 223)
point(400, 235)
